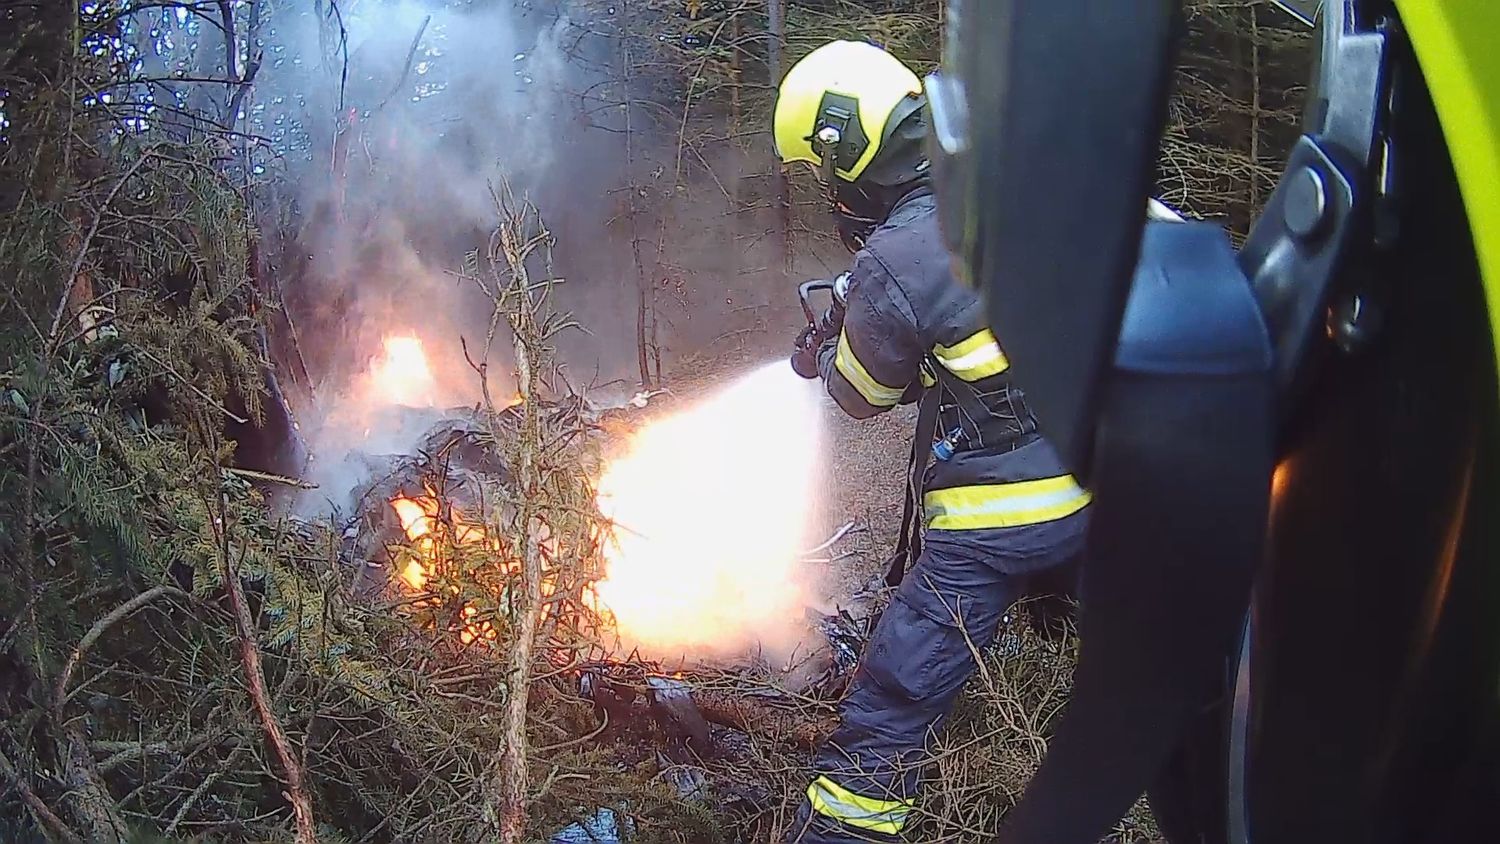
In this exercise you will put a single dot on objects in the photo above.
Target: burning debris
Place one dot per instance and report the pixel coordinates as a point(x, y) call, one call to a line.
point(624, 578)
point(623, 581)
point(704, 512)
point(697, 574)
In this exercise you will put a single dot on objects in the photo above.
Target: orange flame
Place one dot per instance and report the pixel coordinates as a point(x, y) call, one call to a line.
point(709, 509)
point(402, 374)
point(419, 519)
point(418, 523)
point(712, 506)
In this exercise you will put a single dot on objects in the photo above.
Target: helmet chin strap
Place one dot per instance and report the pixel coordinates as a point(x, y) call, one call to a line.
point(853, 228)
point(828, 138)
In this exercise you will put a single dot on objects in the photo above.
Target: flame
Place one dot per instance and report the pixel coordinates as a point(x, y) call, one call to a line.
point(402, 375)
point(418, 523)
point(711, 507)
point(415, 576)
point(708, 510)
point(370, 413)
point(417, 515)
point(420, 518)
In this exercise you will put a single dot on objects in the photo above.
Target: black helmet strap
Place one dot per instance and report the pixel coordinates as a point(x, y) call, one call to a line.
point(839, 141)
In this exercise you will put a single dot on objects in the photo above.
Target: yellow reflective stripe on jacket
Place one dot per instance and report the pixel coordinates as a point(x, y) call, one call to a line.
point(1004, 505)
point(929, 377)
point(874, 392)
point(976, 357)
point(832, 800)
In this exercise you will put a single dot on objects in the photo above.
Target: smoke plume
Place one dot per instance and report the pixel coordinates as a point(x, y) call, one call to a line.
point(396, 120)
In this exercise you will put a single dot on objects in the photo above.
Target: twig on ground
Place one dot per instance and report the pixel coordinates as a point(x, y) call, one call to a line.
point(832, 540)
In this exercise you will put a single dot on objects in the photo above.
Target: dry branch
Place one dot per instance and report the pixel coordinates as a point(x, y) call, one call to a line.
point(37, 806)
point(411, 54)
point(296, 793)
point(733, 709)
point(520, 315)
point(87, 241)
point(242, 83)
point(120, 613)
point(198, 792)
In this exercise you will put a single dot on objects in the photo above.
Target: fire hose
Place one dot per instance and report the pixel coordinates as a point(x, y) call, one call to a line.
point(819, 329)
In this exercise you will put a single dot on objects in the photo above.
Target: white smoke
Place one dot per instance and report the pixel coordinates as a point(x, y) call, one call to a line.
point(398, 121)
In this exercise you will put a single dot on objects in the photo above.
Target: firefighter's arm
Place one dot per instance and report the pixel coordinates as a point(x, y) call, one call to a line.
point(876, 355)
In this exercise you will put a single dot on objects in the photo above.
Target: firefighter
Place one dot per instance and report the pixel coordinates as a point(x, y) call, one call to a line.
point(997, 503)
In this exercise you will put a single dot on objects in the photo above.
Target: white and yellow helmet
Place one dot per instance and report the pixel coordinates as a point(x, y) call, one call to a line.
point(846, 96)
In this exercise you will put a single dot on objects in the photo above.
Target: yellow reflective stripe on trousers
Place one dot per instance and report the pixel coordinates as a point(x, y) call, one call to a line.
point(1004, 505)
point(874, 392)
point(832, 800)
point(975, 357)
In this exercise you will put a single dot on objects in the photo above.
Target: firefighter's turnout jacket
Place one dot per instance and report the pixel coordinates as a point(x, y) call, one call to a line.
point(1000, 508)
point(910, 328)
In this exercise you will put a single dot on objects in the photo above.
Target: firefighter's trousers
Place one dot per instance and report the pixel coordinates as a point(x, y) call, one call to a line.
point(946, 610)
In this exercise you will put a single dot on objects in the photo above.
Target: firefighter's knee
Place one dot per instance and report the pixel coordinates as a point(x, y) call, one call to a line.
point(926, 642)
point(913, 657)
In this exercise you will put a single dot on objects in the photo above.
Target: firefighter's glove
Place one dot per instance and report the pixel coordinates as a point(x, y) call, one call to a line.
point(813, 337)
point(805, 352)
point(805, 359)
point(831, 323)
